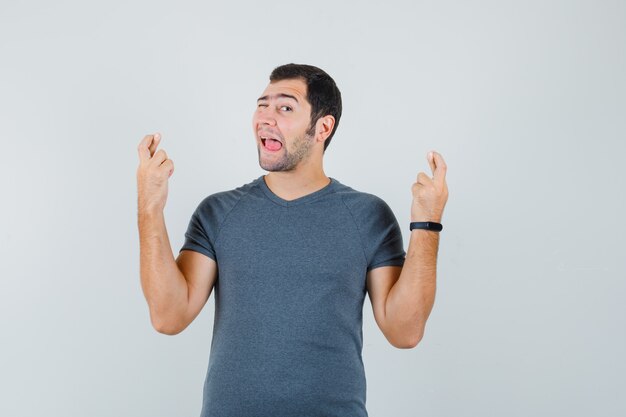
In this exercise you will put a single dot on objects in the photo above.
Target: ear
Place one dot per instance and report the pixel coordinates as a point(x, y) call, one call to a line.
point(324, 127)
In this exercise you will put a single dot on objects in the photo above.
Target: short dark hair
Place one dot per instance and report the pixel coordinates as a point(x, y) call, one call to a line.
point(321, 92)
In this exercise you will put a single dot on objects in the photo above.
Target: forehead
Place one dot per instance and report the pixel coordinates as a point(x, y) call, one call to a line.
point(293, 87)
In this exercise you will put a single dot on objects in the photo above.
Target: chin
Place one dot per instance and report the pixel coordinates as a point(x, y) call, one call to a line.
point(266, 166)
point(274, 168)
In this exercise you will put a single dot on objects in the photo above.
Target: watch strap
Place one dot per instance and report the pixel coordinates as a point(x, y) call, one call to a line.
point(435, 227)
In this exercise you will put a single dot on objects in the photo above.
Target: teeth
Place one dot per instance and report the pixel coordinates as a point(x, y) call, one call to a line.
point(264, 138)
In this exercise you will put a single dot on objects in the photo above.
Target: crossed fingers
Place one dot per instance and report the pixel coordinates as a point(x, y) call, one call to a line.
point(438, 168)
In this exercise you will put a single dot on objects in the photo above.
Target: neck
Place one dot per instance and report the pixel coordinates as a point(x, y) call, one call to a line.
point(303, 180)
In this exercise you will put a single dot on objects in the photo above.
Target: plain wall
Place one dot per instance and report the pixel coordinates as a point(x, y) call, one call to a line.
point(526, 101)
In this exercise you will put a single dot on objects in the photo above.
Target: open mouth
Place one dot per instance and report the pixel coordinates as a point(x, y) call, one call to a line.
point(271, 145)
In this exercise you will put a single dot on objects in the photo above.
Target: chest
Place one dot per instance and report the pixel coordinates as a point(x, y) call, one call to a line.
point(317, 245)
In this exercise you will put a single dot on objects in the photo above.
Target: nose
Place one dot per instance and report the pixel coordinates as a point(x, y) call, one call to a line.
point(264, 115)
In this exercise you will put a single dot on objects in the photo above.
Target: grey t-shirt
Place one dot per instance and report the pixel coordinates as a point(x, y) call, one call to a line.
point(287, 335)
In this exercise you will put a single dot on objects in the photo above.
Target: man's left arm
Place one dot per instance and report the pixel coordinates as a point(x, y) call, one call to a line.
point(402, 297)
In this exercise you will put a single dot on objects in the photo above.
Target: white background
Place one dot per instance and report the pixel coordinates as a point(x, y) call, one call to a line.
point(525, 100)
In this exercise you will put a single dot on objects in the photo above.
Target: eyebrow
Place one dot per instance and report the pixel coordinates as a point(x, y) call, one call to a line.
point(278, 95)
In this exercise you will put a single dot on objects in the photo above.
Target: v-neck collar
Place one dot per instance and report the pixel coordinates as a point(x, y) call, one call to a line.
point(300, 200)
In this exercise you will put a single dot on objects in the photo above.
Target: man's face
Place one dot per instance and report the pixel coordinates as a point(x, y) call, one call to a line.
point(283, 114)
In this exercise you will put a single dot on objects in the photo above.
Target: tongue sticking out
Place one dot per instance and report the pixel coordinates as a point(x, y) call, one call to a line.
point(273, 145)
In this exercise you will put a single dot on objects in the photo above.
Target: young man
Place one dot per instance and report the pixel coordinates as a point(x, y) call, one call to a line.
point(291, 256)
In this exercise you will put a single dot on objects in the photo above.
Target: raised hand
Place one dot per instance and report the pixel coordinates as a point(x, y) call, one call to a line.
point(430, 194)
point(152, 174)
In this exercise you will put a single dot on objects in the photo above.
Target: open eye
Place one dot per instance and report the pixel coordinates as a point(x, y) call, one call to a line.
point(286, 107)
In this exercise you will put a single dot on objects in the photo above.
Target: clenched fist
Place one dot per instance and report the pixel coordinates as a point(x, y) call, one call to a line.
point(152, 174)
point(430, 194)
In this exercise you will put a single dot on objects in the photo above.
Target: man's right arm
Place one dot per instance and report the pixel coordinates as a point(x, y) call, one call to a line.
point(176, 290)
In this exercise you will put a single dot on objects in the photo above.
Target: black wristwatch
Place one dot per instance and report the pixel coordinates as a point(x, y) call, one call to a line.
point(435, 227)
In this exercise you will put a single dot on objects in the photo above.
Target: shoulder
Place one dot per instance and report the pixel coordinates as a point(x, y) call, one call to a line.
point(362, 203)
point(221, 202)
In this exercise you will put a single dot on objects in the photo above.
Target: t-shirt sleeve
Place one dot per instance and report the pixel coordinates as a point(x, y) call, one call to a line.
point(380, 233)
point(382, 236)
point(199, 236)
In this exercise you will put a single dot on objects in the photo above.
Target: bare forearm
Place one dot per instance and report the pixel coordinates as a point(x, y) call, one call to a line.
point(411, 299)
point(163, 284)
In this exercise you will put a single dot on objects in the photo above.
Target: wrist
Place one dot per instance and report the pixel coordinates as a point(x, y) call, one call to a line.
point(425, 219)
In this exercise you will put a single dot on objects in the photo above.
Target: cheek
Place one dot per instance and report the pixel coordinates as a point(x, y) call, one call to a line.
point(254, 122)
